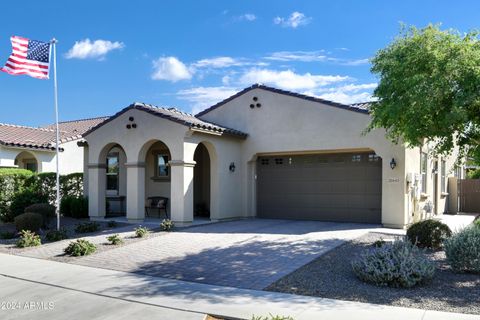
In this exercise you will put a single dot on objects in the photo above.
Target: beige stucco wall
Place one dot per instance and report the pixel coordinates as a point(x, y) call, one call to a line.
point(71, 159)
point(285, 124)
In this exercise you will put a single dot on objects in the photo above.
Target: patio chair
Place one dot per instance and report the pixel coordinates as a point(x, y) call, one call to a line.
point(159, 203)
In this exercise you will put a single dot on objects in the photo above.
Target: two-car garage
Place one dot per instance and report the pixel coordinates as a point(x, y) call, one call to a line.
point(329, 186)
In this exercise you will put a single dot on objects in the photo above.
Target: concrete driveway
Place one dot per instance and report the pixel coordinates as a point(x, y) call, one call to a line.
point(247, 254)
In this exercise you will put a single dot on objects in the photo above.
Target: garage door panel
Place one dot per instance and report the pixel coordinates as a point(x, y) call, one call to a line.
point(335, 187)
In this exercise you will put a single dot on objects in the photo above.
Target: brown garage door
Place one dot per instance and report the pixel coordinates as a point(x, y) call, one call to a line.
point(330, 187)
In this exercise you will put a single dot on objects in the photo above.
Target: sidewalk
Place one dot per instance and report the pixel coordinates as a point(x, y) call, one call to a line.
point(175, 295)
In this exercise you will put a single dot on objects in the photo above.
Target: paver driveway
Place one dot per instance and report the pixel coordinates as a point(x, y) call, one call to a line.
point(248, 254)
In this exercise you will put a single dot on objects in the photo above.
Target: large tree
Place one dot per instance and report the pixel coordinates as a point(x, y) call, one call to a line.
point(429, 89)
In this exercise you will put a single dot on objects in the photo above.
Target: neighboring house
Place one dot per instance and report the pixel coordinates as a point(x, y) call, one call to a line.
point(262, 152)
point(34, 148)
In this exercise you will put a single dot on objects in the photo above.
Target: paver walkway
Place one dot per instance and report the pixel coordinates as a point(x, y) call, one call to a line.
point(249, 253)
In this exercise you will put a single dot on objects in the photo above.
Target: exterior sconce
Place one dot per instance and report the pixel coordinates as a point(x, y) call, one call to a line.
point(232, 167)
point(393, 164)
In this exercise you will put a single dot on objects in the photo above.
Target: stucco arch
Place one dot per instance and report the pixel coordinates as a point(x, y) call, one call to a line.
point(21, 155)
point(103, 152)
point(213, 177)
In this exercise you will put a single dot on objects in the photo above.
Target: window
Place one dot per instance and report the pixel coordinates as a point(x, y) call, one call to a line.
point(112, 172)
point(373, 158)
point(161, 165)
point(264, 162)
point(356, 158)
point(443, 177)
point(278, 161)
point(423, 171)
point(31, 165)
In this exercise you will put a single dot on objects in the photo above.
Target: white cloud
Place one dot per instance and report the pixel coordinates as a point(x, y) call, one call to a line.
point(296, 19)
point(344, 97)
point(288, 79)
point(356, 62)
point(247, 17)
point(170, 69)
point(218, 62)
point(304, 56)
point(357, 87)
point(97, 49)
point(204, 97)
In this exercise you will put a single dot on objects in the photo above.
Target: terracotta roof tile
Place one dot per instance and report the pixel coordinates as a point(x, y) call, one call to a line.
point(177, 116)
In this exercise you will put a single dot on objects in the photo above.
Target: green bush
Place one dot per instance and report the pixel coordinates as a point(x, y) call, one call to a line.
point(428, 233)
point(80, 247)
point(14, 182)
point(167, 225)
point(31, 221)
point(474, 174)
point(23, 200)
point(8, 234)
point(74, 206)
point(47, 211)
point(463, 250)
point(141, 232)
point(56, 235)
point(397, 264)
point(87, 227)
point(476, 223)
point(28, 239)
point(115, 239)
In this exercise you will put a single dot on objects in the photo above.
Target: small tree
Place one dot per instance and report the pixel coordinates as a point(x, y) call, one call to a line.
point(429, 88)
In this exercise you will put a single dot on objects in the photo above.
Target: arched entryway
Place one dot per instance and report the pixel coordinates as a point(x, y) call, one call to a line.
point(26, 160)
point(202, 182)
point(157, 155)
point(115, 159)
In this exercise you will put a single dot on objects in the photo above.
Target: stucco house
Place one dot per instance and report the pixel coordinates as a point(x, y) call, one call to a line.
point(34, 148)
point(263, 152)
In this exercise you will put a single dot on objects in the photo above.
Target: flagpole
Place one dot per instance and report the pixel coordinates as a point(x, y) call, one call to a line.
point(57, 135)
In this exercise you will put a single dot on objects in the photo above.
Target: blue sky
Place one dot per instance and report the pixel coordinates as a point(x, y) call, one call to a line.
point(191, 54)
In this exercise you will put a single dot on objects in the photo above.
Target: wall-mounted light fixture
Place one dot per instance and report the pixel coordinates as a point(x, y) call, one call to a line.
point(393, 164)
point(232, 167)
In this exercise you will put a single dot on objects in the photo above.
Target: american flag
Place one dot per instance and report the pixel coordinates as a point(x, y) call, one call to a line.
point(29, 57)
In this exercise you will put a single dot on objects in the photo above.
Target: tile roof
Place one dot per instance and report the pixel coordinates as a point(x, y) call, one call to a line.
point(287, 93)
point(362, 105)
point(72, 130)
point(44, 138)
point(177, 116)
point(26, 137)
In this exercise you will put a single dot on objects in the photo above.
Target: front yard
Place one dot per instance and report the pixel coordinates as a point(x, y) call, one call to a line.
point(331, 276)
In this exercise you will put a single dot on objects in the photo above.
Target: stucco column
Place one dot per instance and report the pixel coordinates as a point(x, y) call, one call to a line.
point(85, 170)
point(181, 202)
point(135, 191)
point(96, 190)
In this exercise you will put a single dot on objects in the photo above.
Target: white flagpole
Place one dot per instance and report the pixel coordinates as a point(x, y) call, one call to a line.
point(57, 135)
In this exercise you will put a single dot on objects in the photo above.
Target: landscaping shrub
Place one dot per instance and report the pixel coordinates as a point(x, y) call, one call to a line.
point(8, 234)
point(29, 221)
point(16, 182)
point(80, 247)
point(141, 232)
point(74, 206)
point(476, 223)
point(87, 227)
point(115, 239)
point(56, 235)
point(463, 250)
point(47, 211)
point(28, 239)
point(167, 225)
point(397, 264)
point(474, 174)
point(24, 199)
point(12, 181)
point(112, 224)
point(379, 243)
point(428, 233)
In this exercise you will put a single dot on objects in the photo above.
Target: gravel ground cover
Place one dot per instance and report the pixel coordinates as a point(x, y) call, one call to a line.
point(331, 276)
